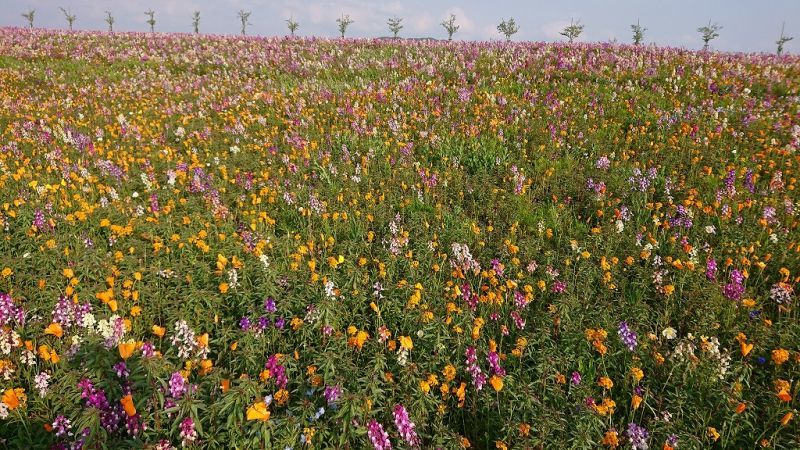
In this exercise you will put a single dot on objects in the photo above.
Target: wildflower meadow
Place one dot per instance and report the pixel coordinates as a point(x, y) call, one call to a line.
point(293, 243)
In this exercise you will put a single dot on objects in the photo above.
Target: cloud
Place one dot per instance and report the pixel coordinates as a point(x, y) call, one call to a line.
point(465, 24)
point(553, 30)
point(421, 23)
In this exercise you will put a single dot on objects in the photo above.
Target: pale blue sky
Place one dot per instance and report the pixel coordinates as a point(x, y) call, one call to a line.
point(748, 25)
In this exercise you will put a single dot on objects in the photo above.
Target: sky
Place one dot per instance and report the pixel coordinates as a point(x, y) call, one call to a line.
point(748, 26)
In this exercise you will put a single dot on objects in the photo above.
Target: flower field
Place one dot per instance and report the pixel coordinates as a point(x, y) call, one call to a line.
point(229, 242)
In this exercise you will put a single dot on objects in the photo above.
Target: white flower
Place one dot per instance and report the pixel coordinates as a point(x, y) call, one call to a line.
point(711, 229)
point(88, 321)
point(135, 194)
point(669, 333)
point(329, 289)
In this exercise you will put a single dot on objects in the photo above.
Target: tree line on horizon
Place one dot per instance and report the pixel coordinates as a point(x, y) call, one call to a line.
point(507, 28)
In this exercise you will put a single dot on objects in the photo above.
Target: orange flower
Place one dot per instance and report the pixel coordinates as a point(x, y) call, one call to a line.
point(126, 349)
point(636, 401)
point(745, 348)
point(14, 398)
point(225, 384)
point(496, 382)
point(740, 408)
point(780, 356)
point(787, 418)
point(127, 405)
point(611, 439)
point(55, 330)
point(159, 331)
point(202, 340)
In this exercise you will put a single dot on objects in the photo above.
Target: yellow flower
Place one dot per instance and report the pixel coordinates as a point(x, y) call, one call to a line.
point(605, 382)
point(258, 411)
point(406, 343)
point(713, 434)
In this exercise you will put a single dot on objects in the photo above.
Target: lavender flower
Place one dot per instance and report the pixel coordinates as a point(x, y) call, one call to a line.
point(177, 385)
point(638, 436)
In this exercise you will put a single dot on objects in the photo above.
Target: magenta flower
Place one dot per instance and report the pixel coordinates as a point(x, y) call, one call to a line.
point(378, 437)
point(405, 426)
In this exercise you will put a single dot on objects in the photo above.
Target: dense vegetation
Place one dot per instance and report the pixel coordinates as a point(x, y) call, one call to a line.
point(230, 242)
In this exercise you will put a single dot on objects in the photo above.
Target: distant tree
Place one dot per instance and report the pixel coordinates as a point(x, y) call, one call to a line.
point(29, 16)
point(708, 33)
point(152, 20)
point(71, 18)
point(344, 22)
point(782, 40)
point(244, 16)
point(572, 31)
point(638, 33)
point(450, 26)
point(110, 21)
point(395, 25)
point(196, 21)
point(292, 25)
point(508, 28)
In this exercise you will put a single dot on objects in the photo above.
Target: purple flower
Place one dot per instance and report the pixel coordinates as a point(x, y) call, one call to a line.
point(332, 394)
point(735, 289)
point(62, 426)
point(277, 371)
point(269, 305)
point(575, 378)
point(244, 323)
point(121, 369)
point(627, 336)
point(711, 269)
